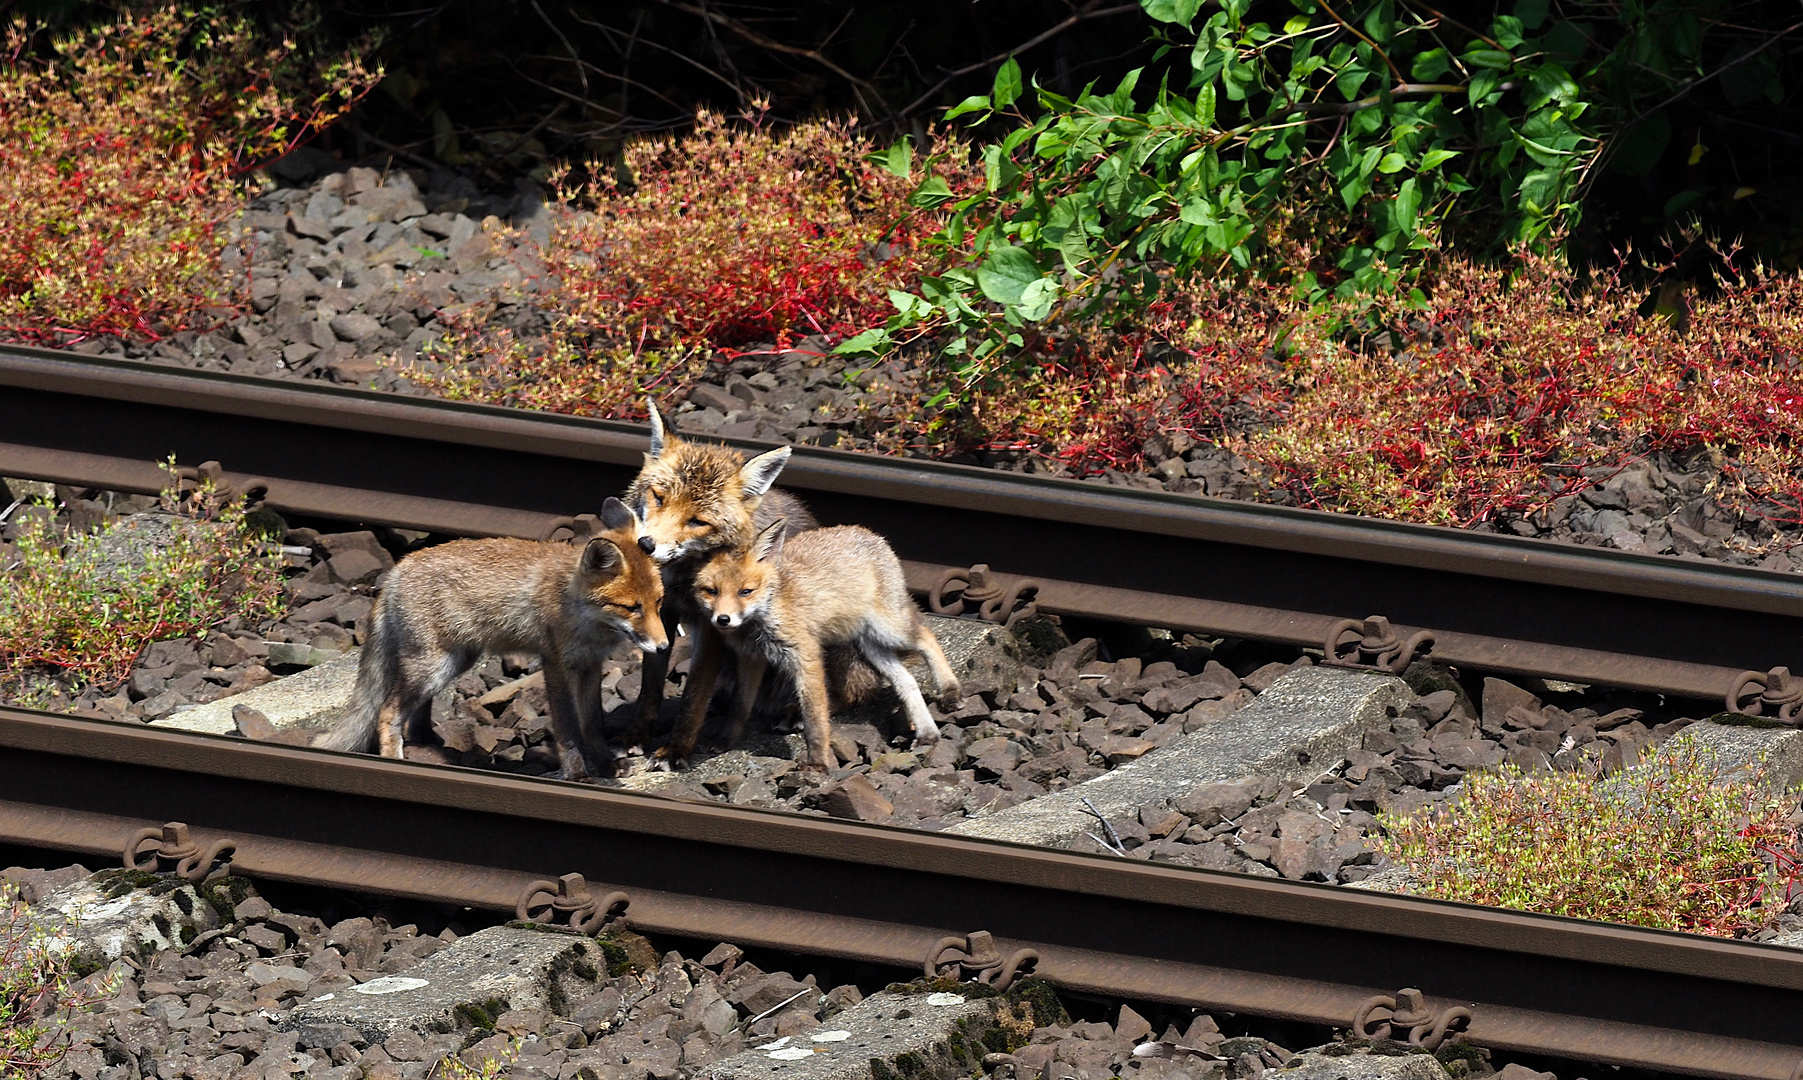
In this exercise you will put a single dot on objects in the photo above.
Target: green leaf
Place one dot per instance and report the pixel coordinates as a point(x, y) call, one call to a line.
point(1297, 24)
point(1494, 59)
point(1433, 158)
point(1507, 31)
point(899, 158)
point(1181, 12)
point(1392, 162)
point(1531, 13)
point(1408, 201)
point(1205, 106)
point(1007, 84)
point(931, 192)
point(1348, 82)
point(1430, 65)
point(1199, 212)
point(869, 342)
point(1638, 148)
point(974, 103)
point(1683, 201)
point(910, 307)
point(1006, 273)
point(1038, 298)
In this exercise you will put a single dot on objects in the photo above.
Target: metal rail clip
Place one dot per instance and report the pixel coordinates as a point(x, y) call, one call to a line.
point(975, 959)
point(982, 590)
point(191, 478)
point(176, 852)
point(1383, 1017)
point(1778, 689)
point(1376, 646)
point(567, 902)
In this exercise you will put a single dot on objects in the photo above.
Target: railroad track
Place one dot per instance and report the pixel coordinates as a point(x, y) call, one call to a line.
point(1276, 948)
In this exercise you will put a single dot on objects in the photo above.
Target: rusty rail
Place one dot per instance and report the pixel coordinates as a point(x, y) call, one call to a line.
point(1116, 927)
point(1493, 603)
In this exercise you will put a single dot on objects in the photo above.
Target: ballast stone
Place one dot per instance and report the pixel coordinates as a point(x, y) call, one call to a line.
point(1323, 1063)
point(310, 699)
point(90, 924)
point(1741, 748)
point(1299, 728)
point(518, 968)
point(899, 1034)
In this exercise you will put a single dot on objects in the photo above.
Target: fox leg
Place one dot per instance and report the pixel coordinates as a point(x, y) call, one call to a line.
point(816, 711)
point(945, 681)
point(654, 668)
point(570, 695)
point(925, 731)
point(697, 693)
point(407, 714)
point(752, 666)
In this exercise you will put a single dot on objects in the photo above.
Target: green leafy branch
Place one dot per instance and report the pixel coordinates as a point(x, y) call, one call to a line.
point(1300, 152)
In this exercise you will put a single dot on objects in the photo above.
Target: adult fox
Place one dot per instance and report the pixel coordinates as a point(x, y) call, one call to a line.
point(443, 607)
point(697, 499)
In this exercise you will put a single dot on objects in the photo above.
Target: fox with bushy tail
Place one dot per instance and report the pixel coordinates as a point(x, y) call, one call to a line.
point(443, 608)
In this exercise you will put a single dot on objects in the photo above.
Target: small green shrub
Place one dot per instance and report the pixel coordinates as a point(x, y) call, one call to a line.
point(122, 153)
point(728, 236)
point(84, 606)
point(1671, 844)
point(38, 996)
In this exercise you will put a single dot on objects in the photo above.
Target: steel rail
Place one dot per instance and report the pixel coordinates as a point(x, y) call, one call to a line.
point(1122, 928)
point(1497, 603)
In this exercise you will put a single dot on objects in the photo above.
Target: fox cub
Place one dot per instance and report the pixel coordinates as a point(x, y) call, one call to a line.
point(442, 608)
point(785, 599)
point(697, 499)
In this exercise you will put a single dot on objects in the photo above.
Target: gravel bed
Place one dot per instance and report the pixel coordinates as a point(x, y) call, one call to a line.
point(1075, 714)
point(213, 1011)
point(352, 268)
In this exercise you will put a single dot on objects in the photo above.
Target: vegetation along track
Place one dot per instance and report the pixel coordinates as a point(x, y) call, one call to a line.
point(1138, 930)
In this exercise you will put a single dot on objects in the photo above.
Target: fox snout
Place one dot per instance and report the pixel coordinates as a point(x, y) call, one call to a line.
point(727, 621)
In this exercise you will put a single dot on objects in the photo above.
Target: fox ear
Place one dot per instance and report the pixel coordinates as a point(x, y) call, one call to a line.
point(657, 429)
point(769, 544)
point(617, 515)
point(602, 556)
point(761, 471)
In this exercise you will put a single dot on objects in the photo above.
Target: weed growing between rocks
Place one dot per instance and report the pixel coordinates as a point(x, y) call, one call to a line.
point(78, 608)
point(121, 149)
point(728, 237)
point(38, 995)
point(1673, 845)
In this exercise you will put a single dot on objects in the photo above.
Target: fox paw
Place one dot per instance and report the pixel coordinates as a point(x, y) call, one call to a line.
point(951, 698)
point(668, 760)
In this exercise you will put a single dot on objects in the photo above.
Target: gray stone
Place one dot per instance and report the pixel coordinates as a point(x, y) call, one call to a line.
point(89, 923)
point(1299, 728)
point(874, 1033)
point(310, 699)
point(1332, 1063)
point(517, 968)
point(1741, 748)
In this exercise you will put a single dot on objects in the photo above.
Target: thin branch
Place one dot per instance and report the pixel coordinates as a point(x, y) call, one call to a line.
point(1353, 30)
point(1088, 11)
point(491, 170)
point(574, 58)
point(684, 57)
point(773, 45)
point(1743, 58)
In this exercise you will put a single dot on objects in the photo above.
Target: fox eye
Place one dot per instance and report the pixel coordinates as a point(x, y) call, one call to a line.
point(656, 498)
point(705, 591)
point(699, 524)
point(744, 592)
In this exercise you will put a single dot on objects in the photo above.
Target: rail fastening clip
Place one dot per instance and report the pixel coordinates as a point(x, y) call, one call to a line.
point(1374, 646)
point(1385, 1017)
point(976, 959)
point(176, 852)
point(568, 902)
